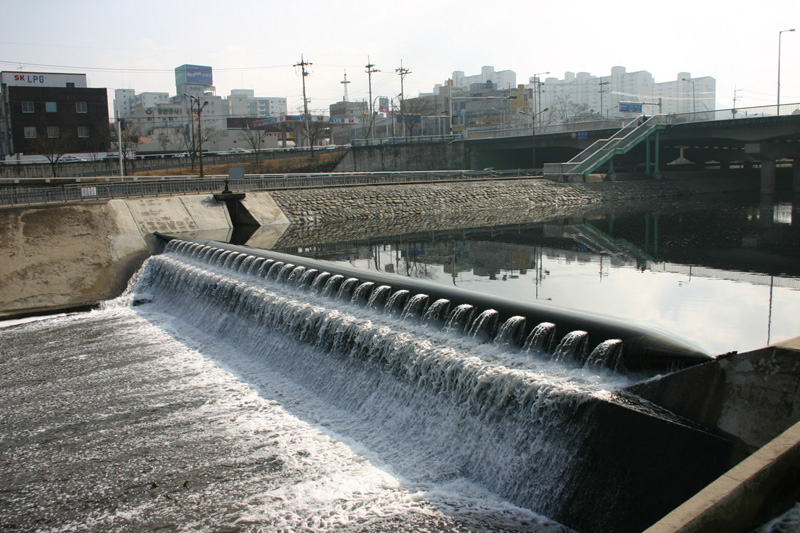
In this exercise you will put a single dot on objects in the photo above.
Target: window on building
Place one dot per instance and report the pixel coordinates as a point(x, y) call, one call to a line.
point(70, 85)
point(30, 132)
point(83, 131)
point(28, 107)
point(81, 107)
point(52, 132)
point(50, 107)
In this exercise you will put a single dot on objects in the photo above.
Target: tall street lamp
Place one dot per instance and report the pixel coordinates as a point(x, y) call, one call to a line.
point(196, 100)
point(533, 130)
point(779, 68)
point(537, 95)
point(694, 108)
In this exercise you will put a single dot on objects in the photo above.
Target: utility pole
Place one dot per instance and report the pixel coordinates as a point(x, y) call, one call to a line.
point(193, 149)
point(370, 70)
point(736, 98)
point(602, 83)
point(402, 72)
point(200, 132)
point(303, 64)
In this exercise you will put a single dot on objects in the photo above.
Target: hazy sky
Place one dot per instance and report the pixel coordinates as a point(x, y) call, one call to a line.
point(254, 44)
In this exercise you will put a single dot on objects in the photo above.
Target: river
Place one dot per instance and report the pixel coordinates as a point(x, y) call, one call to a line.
point(221, 403)
point(722, 272)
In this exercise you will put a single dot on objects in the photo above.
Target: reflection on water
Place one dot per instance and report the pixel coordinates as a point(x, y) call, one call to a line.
point(724, 275)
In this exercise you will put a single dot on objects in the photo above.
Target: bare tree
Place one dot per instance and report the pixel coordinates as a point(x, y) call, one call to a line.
point(191, 143)
point(316, 132)
point(186, 144)
point(412, 112)
point(129, 144)
point(254, 138)
point(53, 144)
point(564, 109)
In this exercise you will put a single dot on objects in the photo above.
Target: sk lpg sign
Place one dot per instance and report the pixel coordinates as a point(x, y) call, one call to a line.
point(30, 79)
point(42, 79)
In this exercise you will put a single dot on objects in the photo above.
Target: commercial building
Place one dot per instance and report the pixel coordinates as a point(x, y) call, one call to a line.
point(48, 113)
point(343, 132)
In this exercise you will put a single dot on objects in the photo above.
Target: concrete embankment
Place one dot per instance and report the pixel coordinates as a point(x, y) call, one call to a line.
point(73, 255)
point(62, 256)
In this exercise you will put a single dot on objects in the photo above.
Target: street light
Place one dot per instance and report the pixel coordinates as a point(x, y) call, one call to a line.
point(537, 96)
point(779, 68)
point(193, 100)
point(533, 130)
point(694, 109)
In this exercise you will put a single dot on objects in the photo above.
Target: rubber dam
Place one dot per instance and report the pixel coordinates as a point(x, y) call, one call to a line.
point(453, 385)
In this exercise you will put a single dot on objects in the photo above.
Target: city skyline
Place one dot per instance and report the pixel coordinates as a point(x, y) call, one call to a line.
point(431, 40)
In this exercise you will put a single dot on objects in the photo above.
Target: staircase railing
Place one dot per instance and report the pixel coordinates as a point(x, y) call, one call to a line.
point(604, 149)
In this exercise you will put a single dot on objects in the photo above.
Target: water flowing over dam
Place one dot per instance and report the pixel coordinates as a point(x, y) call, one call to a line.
point(440, 389)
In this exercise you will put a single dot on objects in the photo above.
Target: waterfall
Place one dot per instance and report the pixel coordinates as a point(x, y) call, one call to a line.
point(483, 326)
point(415, 307)
point(440, 391)
point(363, 293)
point(378, 297)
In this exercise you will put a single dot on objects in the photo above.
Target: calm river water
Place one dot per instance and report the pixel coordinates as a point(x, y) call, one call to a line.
point(722, 273)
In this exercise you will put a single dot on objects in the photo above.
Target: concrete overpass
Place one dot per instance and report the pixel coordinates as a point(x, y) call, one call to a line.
point(748, 142)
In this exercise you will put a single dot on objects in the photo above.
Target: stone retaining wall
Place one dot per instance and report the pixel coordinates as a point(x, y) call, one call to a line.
point(317, 206)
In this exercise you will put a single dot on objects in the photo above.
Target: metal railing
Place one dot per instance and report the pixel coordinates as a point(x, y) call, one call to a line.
point(681, 118)
point(107, 188)
point(625, 139)
point(420, 139)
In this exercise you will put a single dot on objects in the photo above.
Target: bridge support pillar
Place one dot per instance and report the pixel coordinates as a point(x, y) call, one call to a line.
point(768, 176)
point(657, 143)
point(796, 175)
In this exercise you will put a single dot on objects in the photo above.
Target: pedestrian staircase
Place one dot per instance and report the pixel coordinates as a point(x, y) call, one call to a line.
point(603, 150)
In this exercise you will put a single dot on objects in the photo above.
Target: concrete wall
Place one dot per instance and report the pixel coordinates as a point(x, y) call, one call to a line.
point(73, 255)
point(406, 157)
point(728, 396)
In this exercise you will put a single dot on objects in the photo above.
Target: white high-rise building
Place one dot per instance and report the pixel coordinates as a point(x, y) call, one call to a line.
point(237, 102)
point(124, 102)
point(622, 94)
point(503, 79)
point(244, 103)
point(150, 100)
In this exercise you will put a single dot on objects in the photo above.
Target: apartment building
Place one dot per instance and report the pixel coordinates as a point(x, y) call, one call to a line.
point(621, 94)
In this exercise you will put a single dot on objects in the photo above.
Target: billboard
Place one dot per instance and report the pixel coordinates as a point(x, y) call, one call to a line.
point(630, 107)
point(193, 75)
point(42, 79)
